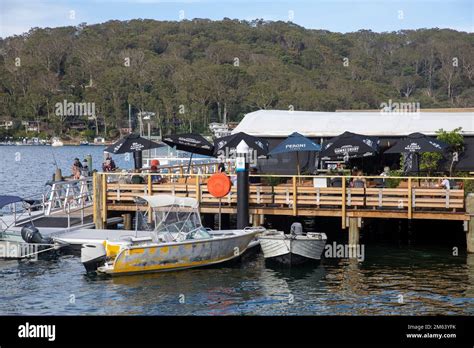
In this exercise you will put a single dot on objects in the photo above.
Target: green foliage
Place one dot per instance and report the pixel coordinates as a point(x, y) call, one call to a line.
point(430, 160)
point(391, 181)
point(224, 69)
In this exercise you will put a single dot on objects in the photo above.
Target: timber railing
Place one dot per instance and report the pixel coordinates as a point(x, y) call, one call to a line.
point(306, 195)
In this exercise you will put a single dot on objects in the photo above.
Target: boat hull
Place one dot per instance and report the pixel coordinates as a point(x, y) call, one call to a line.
point(180, 255)
point(291, 250)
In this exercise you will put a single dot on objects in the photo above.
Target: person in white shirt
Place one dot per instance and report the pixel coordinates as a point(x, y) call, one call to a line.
point(444, 183)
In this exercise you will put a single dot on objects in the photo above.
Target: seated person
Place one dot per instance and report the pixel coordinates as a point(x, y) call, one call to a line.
point(137, 179)
point(359, 181)
point(156, 179)
point(444, 183)
point(254, 179)
point(336, 182)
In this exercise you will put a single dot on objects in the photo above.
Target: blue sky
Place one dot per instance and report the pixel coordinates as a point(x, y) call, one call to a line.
point(18, 16)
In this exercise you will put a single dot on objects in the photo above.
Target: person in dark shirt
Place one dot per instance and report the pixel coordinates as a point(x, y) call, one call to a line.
point(254, 179)
point(137, 178)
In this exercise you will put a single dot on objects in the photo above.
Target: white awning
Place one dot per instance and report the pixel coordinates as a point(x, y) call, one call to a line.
point(281, 123)
point(170, 200)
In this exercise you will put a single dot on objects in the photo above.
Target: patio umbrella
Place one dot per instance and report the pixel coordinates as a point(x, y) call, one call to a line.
point(412, 146)
point(132, 143)
point(349, 145)
point(190, 142)
point(230, 142)
point(418, 143)
point(295, 143)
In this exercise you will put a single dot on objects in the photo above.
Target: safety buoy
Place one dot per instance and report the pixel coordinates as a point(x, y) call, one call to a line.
point(219, 185)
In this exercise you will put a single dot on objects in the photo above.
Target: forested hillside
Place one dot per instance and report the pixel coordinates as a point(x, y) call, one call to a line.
point(193, 72)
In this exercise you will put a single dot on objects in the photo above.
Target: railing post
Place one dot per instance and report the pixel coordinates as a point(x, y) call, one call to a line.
point(295, 197)
point(343, 203)
point(104, 198)
point(410, 199)
point(198, 189)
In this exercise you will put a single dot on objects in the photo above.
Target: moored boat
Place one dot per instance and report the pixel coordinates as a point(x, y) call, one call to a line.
point(294, 248)
point(178, 241)
point(56, 142)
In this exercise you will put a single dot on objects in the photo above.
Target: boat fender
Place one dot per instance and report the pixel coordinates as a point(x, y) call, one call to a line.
point(219, 185)
point(30, 234)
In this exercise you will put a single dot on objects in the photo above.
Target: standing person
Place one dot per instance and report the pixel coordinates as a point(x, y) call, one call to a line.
point(76, 169)
point(85, 168)
point(221, 167)
point(109, 164)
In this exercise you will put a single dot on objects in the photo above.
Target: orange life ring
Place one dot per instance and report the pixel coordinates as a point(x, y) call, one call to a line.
point(219, 185)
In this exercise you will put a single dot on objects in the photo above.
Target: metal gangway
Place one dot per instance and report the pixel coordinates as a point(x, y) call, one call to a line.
point(66, 198)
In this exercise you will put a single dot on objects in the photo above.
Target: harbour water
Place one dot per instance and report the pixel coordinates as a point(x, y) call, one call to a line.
point(392, 279)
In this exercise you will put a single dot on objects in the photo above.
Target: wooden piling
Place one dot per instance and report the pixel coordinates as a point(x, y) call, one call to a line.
point(97, 201)
point(354, 231)
point(470, 229)
point(127, 221)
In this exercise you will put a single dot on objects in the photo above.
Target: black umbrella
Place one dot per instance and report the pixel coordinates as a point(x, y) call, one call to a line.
point(230, 142)
point(190, 142)
point(193, 143)
point(418, 143)
point(349, 145)
point(412, 146)
point(132, 143)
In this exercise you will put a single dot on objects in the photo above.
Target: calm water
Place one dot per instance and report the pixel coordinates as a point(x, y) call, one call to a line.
point(430, 279)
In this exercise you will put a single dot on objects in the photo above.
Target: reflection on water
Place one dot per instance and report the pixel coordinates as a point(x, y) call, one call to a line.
point(430, 281)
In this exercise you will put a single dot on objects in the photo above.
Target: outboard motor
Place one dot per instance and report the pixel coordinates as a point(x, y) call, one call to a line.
point(93, 256)
point(296, 229)
point(30, 234)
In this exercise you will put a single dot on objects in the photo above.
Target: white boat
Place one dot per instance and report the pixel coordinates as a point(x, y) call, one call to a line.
point(294, 248)
point(56, 142)
point(27, 224)
point(178, 241)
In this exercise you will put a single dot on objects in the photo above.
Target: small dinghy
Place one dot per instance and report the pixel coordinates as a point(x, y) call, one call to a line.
point(178, 241)
point(294, 248)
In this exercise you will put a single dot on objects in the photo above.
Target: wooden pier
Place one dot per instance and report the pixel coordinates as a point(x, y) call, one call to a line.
point(398, 197)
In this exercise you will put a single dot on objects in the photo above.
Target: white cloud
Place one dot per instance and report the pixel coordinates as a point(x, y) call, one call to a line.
point(19, 17)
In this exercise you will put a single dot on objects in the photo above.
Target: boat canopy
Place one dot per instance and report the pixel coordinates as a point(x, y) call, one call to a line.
point(6, 200)
point(170, 200)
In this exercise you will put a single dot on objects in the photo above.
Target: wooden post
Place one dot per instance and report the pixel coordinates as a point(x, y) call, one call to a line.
point(410, 199)
point(354, 232)
point(97, 200)
point(470, 227)
point(150, 193)
point(104, 198)
point(343, 203)
point(127, 221)
point(295, 197)
point(198, 189)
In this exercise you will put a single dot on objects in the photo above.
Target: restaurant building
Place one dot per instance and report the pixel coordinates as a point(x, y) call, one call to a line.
point(275, 125)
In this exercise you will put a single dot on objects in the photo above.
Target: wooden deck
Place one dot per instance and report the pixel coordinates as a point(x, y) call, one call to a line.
point(296, 196)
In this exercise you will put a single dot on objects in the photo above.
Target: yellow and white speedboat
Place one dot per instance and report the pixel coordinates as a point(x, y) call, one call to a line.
point(179, 241)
